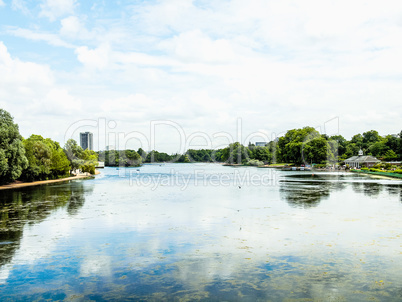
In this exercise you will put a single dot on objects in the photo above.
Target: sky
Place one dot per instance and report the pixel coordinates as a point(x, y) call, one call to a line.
point(178, 74)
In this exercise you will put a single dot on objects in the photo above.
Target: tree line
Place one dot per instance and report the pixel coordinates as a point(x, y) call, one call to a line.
point(298, 146)
point(38, 158)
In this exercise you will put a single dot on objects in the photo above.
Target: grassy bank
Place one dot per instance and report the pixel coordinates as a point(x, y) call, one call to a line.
point(388, 174)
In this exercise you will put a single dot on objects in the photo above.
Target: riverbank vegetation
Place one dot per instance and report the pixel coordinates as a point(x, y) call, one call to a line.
point(38, 158)
point(297, 146)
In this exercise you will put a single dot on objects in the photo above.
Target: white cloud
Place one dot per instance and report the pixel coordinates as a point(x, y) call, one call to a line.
point(2, 3)
point(254, 59)
point(51, 39)
point(96, 59)
point(195, 46)
point(16, 73)
point(54, 9)
point(20, 5)
point(70, 26)
point(56, 102)
point(99, 265)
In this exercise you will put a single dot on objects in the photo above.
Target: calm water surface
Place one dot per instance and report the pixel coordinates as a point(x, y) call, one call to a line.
point(203, 232)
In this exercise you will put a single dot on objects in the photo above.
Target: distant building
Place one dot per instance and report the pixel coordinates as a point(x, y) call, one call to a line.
point(87, 140)
point(110, 147)
point(360, 160)
point(260, 144)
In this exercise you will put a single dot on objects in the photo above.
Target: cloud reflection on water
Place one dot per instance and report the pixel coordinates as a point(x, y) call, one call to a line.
point(227, 243)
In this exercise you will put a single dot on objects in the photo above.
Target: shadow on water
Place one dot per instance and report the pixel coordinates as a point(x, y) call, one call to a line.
point(31, 205)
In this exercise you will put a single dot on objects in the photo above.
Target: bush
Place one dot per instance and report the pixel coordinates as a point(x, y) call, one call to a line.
point(399, 171)
point(254, 162)
point(88, 167)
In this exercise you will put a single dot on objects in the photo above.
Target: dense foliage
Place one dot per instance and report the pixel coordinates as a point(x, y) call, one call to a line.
point(84, 160)
point(12, 153)
point(38, 158)
point(46, 159)
point(297, 146)
point(123, 158)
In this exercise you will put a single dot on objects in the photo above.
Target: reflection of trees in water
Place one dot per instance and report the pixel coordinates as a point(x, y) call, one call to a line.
point(357, 187)
point(394, 190)
point(372, 189)
point(367, 188)
point(304, 194)
point(32, 205)
point(301, 190)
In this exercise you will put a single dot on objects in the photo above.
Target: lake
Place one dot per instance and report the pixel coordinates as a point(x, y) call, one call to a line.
point(203, 232)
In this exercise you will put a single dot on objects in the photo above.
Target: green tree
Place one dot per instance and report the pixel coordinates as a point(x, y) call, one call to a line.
point(399, 152)
point(236, 153)
point(341, 144)
point(129, 158)
point(260, 153)
point(46, 158)
point(90, 161)
point(357, 140)
point(60, 166)
point(142, 153)
point(390, 155)
point(378, 148)
point(39, 156)
point(352, 149)
point(292, 147)
point(74, 154)
point(12, 153)
point(369, 138)
point(318, 150)
point(392, 142)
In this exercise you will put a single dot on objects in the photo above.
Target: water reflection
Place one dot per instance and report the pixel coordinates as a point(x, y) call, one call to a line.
point(210, 242)
point(307, 190)
point(30, 206)
point(304, 194)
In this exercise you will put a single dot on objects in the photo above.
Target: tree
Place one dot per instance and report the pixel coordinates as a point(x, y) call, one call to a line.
point(369, 138)
point(74, 153)
point(357, 140)
point(39, 156)
point(351, 150)
point(390, 155)
point(260, 153)
point(291, 148)
point(129, 158)
point(142, 153)
point(236, 153)
point(318, 150)
point(378, 148)
point(399, 152)
point(341, 144)
point(12, 153)
point(46, 158)
point(60, 166)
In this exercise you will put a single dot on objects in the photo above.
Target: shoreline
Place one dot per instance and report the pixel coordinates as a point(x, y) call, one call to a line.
point(17, 185)
point(379, 174)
